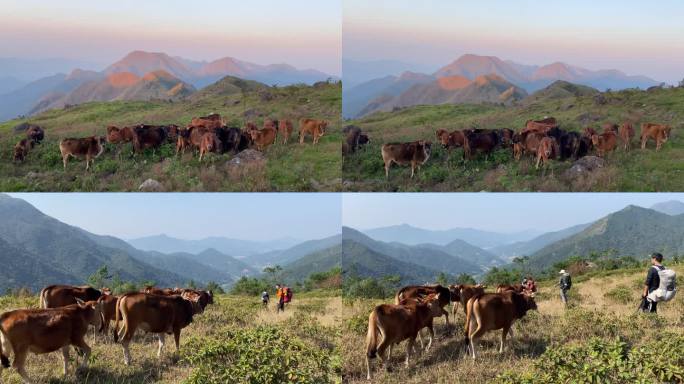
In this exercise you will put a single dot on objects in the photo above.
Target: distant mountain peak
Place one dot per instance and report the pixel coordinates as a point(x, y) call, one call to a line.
point(451, 83)
point(122, 79)
point(671, 207)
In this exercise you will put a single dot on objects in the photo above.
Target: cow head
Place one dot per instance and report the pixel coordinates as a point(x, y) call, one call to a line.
point(595, 140)
point(94, 310)
point(427, 149)
point(443, 137)
point(363, 139)
point(322, 126)
point(455, 292)
point(432, 302)
point(523, 303)
point(665, 133)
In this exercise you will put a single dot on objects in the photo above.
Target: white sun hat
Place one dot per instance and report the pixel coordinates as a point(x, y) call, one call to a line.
point(562, 272)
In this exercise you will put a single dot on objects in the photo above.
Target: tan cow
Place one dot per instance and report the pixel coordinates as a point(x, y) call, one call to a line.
point(540, 126)
point(390, 324)
point(415, 153)
point(22, 148)
point(213, 121)
point(316, 128)
point(154, 314)
point(88, 148)
point(493, 311)
point(462, 293)
point(116, 135)
point(55, 296)
point(626, 133)
point(658, 132)
point(605, 142)
point(208, 143)
point(47, 330)
point(548, 149)
point(263, 138)
point(108, 311)
point(285, 130)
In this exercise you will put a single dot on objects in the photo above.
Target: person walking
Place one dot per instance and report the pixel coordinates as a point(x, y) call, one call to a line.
point(565, 283)
point(660, 285)
point(265, 298)
point(280, 296)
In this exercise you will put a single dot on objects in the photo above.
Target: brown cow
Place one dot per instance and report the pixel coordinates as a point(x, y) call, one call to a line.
point(22, 148)
point(626, 133)
point(449, 141)
point(35, 133)
point(183, 140)
point(148, 136)
point(213, 121)
point(108, 311)
point(462, 293)
point(268, 123)
point(501, 288)
point(208, 143)
point(493, 311)
point(605, 142)
point(589, 132)
point(548, 149)
point(55, 296)
point(610, 127)
point(354, 139)
point(161, 291)
point(47, 330)
point(117, 135)
point(151, 313)
point(263, 138)
point(415, 153)
point(89, 148)
point(658, 132)
point(250, 126)
point(528, 144)
point(541, 126)
point(285, 129)
point(422, 291)
point(391, 324)
point(203, 298)
point(311, 126)
point(479, 140)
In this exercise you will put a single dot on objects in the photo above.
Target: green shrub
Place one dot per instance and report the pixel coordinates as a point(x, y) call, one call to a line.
point(260, 355)
point(608, 361)
point(621, 294)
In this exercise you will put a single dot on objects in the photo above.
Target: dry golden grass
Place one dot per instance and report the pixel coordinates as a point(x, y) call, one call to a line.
point(106, 363)
point(590, 314)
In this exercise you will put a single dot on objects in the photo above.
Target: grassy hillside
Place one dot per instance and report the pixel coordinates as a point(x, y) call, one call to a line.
point(625, 171)
point(235, 340)
point(581, 344)
point(291, 167)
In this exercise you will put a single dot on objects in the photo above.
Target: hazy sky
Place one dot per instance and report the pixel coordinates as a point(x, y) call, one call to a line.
point(503, 212)
point(637, 37)
point(248, 216)
point(304, 33)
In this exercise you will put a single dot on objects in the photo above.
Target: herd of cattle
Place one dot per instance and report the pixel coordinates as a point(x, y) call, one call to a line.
point(543, 139)
point(66, 312)
point(416, 306)
point(204, 134)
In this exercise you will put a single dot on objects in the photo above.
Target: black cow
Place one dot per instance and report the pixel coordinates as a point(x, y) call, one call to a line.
point(479, 140)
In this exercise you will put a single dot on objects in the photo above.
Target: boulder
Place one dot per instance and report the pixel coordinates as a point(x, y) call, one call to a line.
point(151, 185)
point(585, 165)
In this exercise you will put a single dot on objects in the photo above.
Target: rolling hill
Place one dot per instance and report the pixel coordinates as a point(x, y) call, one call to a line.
point(672, 207)
point(463, 250)
point(227, 246)
point(287, 256)
point(632, 231)
point(316, 262)
point(54, 252)
point(526, 248)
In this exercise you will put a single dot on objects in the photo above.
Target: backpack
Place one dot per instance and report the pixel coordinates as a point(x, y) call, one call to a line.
point(287, 294)
point(566, 282)
point(667, 288)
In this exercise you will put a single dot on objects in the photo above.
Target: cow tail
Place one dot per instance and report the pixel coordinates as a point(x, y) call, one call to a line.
point(469, 314)
point(43, 298)
point(4, 360)
point(372, 336)
point(117, 317)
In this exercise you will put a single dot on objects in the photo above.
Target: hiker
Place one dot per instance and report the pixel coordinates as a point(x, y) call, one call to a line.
point(280, 296)
point(565, 283)
point(287, 295)
point(265, 298)
point(660, 284)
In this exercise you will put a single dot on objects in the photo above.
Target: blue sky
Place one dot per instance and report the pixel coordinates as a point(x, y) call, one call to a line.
point(638, 37)
point(502, 212)
point(248, 216)
point(304, 33)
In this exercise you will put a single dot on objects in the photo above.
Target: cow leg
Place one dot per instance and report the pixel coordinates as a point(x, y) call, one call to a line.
point(65, 160)
point(65, 357)
point(432, 336)
point(387, 167)
point(162, 339)
point(176, 338)
point(409, 348)
point(413, 168)
point(126, 351)
point(446, 314)
point(539, 157)
point(20, 363)
point(85, 348)
point(474, 335)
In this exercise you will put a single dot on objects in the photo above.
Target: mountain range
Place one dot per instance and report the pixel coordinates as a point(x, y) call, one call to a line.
point(632, 231)
point(37, 250)
point(141, 75)
point(476, 79)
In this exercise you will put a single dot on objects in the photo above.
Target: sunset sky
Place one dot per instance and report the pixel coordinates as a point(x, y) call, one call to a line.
point(637, 37)
point(304, 33)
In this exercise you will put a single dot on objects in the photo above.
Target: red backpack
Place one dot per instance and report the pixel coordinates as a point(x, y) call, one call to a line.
point(287, 296)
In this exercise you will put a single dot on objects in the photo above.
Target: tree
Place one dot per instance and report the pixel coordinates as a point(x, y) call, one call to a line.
point(443, 279)
point(192, 284)
point(100, 278)
point(273, 272)
point(464, 279)
point(215, 288)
